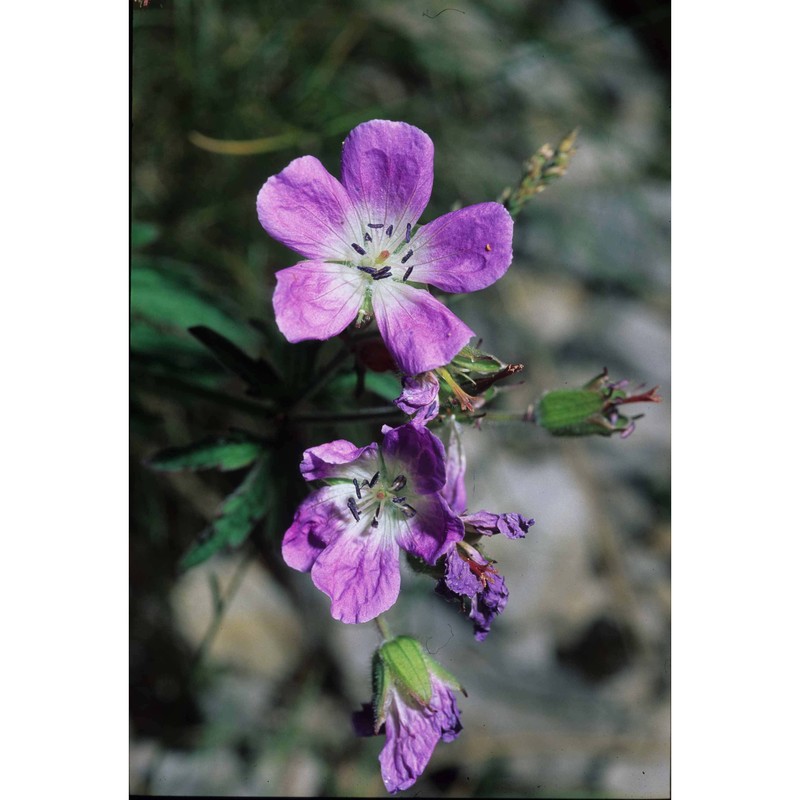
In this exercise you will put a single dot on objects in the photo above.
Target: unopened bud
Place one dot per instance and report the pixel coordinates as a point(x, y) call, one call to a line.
point(591, 410)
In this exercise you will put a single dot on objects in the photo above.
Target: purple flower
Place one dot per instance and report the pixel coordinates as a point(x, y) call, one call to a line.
point(420, 397)
point(380, 499)
point(415, 703)
point(413, 731)
point(363, 253)
point(470, 578)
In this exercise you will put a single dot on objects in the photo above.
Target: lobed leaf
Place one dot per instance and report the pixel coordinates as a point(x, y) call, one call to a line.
point(238, 516)
point(223, 453)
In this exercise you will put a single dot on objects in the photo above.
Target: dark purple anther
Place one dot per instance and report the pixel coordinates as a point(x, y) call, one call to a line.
point(406, 256)
point(398, 483)
point(374, 480)
point(375, 225)
point(383, 272)
point(389, 230)
point(367, 237)
point(398, 499)
point(408, 273)
point(408, 232)
point(368, 270)
point(351, 504)
point(360, 250)
point(408, 511)
point(358, 487)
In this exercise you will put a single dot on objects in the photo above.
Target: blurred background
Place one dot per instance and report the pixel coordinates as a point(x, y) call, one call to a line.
point(241, 683)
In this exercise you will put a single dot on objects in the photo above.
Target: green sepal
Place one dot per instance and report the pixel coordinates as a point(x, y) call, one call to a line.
point(470, 359)
point(380, 687)
point(404, 658)
point(223, 453)
point(447, 678)
point(565, 408)
point(238, 515)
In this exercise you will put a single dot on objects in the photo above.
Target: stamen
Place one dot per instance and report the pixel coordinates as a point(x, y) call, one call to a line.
point(398, 483)
point(360, 250)
point(373, 480)
point(409, 512)
point(398, 499)
point(367, 237)
point(383, 272)
point(351, 504)
point(408, 273)
point(374, 522)
point(408, 232)
point(389, 230)
point(406, 256)
point(358, 487)
point(368, 270)
point(375, 225)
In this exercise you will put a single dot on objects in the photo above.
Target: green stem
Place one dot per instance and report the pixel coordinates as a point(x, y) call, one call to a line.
point(383, 627)
point(221, 605)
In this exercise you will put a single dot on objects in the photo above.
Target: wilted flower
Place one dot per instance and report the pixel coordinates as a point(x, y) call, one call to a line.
point(469, 576)
point(413, 697)
point(380, 499)
point(364, 253)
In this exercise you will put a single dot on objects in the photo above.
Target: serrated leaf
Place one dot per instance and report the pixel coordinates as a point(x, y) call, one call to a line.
point(223, 453)
point(239, 514)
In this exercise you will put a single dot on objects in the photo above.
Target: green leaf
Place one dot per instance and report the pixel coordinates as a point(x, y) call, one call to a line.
point(257, 373)
point(224, 453)
point(385, 385)
point(238, 516)
point(170, 294)
point(404, 658)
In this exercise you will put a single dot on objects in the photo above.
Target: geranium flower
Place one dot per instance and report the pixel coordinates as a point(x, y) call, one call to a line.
point(380, 499)
point(414, 702)
point(469, 576)
point(364, 257)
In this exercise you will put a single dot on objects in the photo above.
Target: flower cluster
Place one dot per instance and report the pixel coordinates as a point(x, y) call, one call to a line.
point(366, 257)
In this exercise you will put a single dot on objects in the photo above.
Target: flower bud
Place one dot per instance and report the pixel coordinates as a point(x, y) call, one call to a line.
point(593, 409)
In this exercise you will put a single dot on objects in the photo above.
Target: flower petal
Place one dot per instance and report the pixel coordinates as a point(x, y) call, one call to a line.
point(455, 490)
point(417, 453)
point(465, 250)
point(420, 397)
point(412, 733)
point(486, 605)
point(308, 210)
point(458, 577)
point(360, 572)
point(420, 332)
point(431, 532)
point(319, 519)
point(314, 300)
point(514, 526)
point(339, 459)
point(387, 169)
